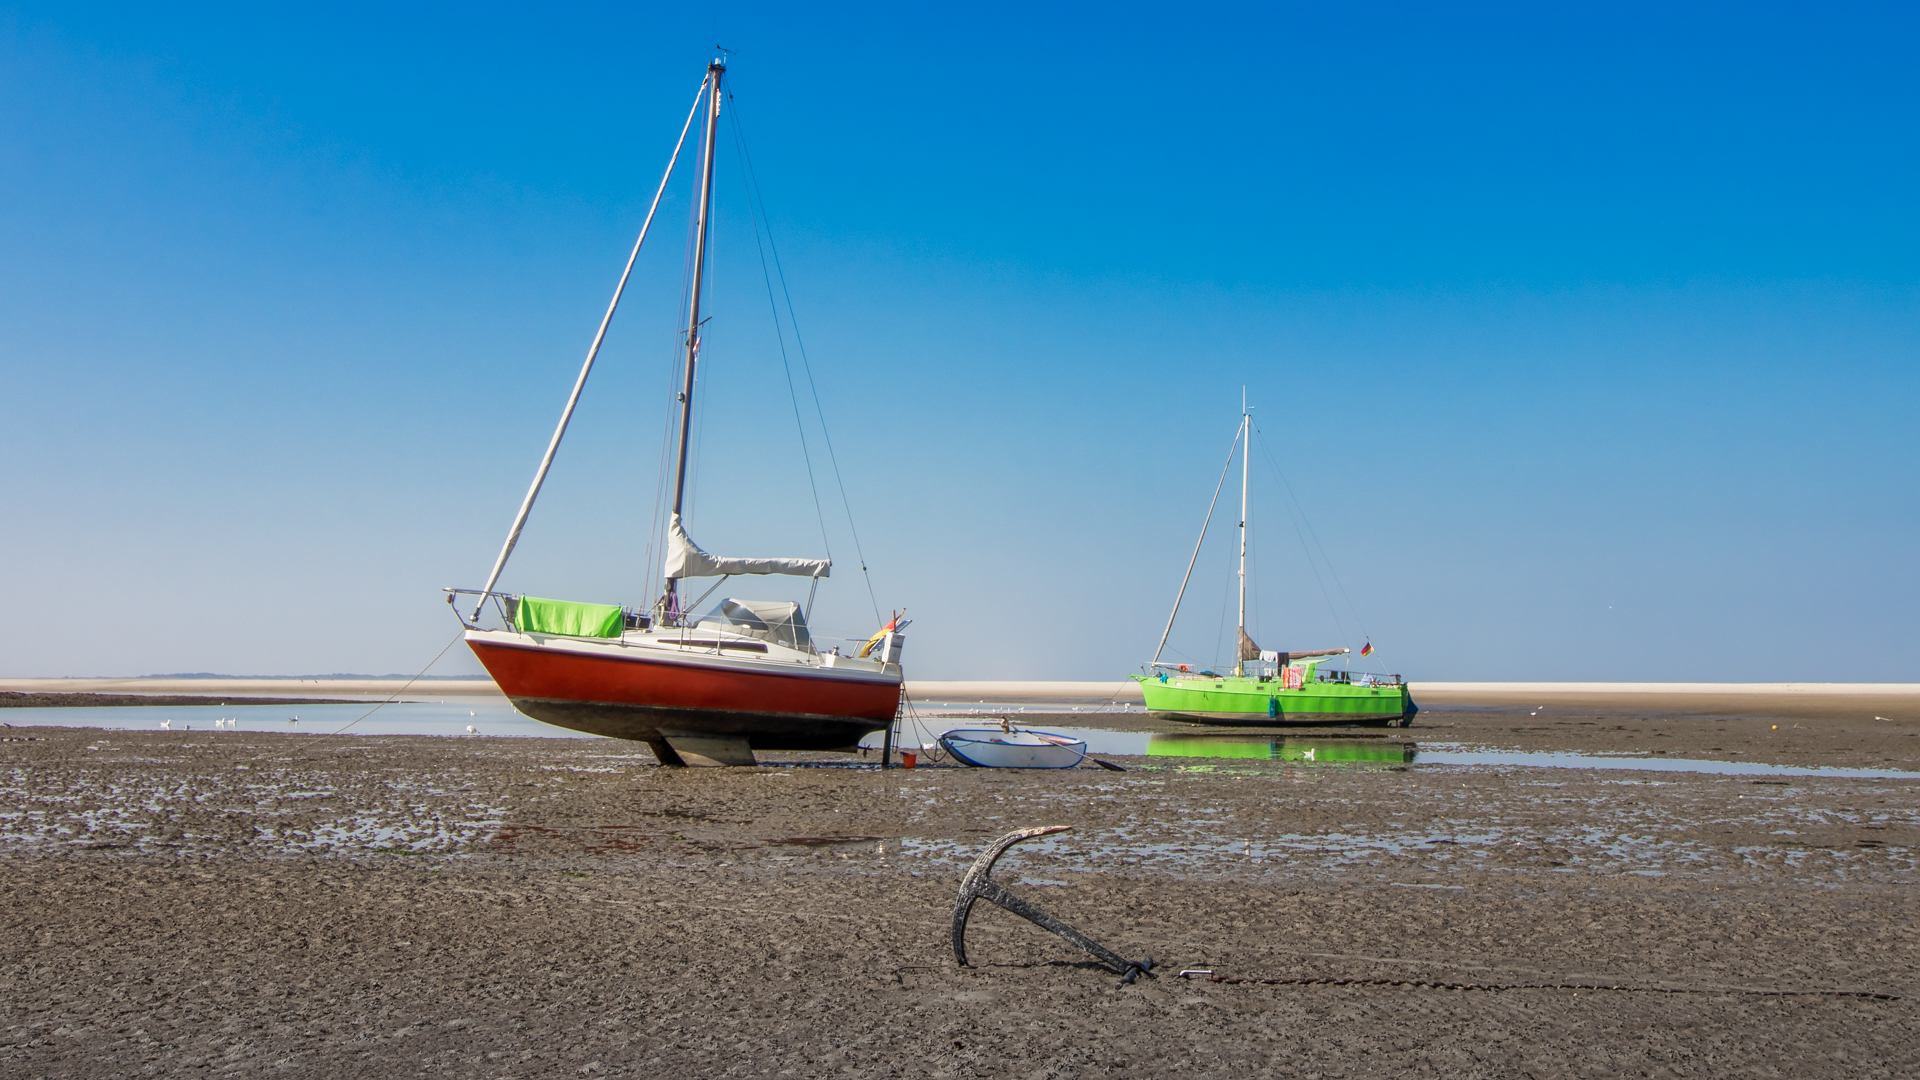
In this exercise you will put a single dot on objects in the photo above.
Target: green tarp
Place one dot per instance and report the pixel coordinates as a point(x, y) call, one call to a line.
point(537, 616)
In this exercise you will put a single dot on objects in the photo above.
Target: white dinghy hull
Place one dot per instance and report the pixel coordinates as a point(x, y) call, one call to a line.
point(986, 748)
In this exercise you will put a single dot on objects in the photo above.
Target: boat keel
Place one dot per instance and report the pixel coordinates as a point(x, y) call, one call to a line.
point(709, 750)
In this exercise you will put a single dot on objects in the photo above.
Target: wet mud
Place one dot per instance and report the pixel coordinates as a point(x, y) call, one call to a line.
point(299, 905)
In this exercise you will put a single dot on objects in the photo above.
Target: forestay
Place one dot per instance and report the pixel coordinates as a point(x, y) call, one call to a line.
point(686, 560)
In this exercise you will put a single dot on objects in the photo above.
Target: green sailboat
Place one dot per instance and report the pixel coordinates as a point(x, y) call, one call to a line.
point(1267, 687)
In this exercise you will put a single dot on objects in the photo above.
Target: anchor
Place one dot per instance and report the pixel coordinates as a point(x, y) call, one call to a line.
point(979, 885)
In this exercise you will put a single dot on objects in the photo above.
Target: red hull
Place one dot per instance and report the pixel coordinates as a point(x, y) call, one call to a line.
point(646, 699)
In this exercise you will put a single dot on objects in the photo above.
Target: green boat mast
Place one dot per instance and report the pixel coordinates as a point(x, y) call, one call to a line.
point(1246, 455)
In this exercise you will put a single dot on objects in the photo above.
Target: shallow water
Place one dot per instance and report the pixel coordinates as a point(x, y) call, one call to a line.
point(1455, 754)
point(1334, 752)
point(487, 716)
point(498, 718)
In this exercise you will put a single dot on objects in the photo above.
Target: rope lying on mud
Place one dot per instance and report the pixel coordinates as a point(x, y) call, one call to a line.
point(1429, 984)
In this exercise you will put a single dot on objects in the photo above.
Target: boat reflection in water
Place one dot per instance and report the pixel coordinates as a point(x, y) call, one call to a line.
point(1271, 748)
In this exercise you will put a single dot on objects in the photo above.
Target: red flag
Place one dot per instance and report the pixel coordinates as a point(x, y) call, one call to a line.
point(1367, 649)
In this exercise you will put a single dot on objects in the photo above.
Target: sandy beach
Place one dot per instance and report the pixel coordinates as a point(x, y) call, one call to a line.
point(242, 903)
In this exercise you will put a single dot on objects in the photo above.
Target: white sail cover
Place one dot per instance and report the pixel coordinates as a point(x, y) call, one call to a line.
point(686, 560)
point(1272, 657)
point(775, 620)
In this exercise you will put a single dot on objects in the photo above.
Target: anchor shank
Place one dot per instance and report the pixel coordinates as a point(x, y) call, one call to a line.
point(992, 891)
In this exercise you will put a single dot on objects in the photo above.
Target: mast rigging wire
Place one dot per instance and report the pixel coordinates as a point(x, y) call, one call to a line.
point(806, 366)
point(1300, 518)
point(780, 334)
point(1196, 546)
point(1220, 631)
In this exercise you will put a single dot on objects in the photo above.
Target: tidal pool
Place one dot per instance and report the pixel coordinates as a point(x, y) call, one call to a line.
point(1398, 751)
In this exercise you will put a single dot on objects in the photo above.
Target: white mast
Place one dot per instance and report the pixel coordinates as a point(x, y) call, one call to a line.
point(1246, 455)
point(671, 602)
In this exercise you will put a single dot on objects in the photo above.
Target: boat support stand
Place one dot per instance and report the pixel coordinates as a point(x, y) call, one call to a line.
point(979, 885)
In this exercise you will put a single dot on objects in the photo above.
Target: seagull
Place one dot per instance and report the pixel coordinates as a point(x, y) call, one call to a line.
point(1311, 751)
point(471, 730)
point(293, 719)
point(166, 725)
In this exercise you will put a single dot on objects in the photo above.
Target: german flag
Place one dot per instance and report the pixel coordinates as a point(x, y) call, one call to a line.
point(1367, 649)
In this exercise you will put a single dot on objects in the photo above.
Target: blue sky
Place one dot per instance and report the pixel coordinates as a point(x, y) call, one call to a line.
point(1585, 338)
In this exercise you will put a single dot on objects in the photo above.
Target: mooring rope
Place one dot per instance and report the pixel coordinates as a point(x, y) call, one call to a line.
point(410, 682)
point(1429, 984)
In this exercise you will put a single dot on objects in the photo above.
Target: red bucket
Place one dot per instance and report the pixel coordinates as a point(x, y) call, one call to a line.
point(907, 759)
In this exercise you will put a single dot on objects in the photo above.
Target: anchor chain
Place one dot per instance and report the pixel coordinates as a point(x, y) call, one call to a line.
point(1429, 984)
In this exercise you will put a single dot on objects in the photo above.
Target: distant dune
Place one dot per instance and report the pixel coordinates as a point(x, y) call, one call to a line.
point(1891, 701)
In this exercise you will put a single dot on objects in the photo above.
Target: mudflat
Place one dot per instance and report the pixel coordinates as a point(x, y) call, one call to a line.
point(309, 905)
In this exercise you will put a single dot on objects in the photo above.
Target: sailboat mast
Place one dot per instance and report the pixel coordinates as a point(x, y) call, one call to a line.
point(1246, 455)
point(714, 71)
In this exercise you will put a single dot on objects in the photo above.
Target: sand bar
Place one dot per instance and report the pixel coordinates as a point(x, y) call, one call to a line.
point(1117, 691)
point(1895, 701)
point(993, 692)
point(1899, 701)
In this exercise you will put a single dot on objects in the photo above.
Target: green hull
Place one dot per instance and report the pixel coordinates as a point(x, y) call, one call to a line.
point(1231, 699)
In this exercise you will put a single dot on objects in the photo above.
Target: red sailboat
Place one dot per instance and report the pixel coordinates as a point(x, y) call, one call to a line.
point(697, 689)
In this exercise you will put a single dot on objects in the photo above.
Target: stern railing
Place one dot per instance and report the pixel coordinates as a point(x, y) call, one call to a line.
point(505, 603)
point(1361, 678)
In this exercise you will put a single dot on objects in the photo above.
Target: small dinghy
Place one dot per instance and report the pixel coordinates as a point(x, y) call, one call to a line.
point(985, 748)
